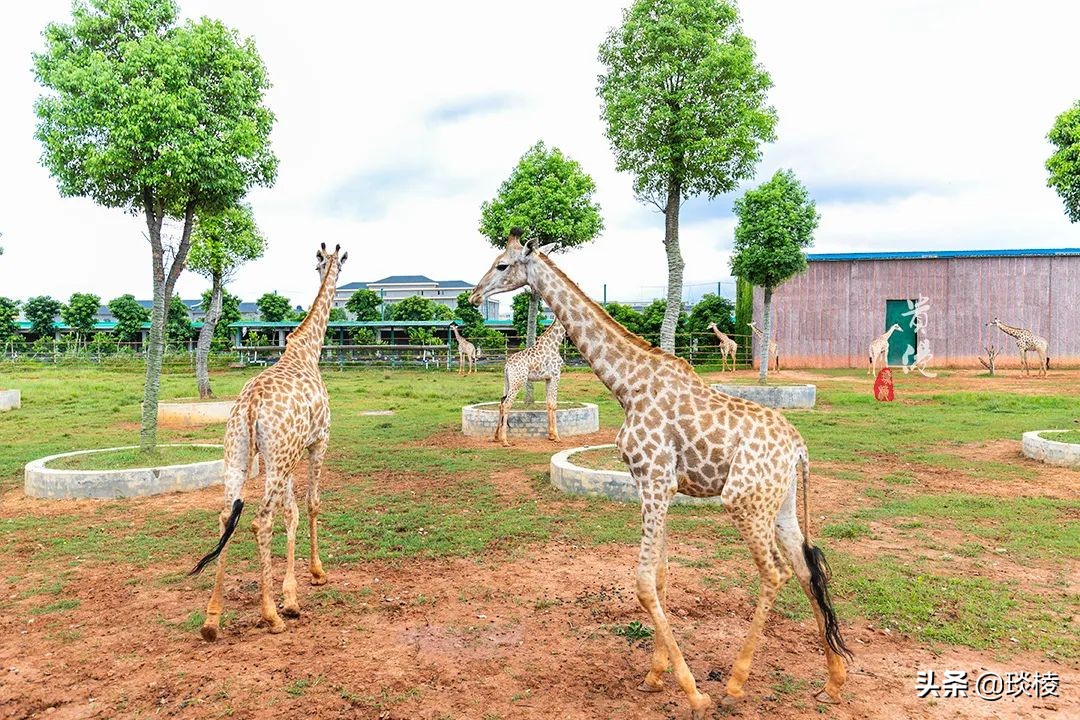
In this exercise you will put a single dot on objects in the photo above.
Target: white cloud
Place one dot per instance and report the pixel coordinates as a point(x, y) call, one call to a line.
point(917, 124)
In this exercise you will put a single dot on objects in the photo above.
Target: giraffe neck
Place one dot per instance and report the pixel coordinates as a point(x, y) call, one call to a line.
point(1009, 329)
point(889, 332)
point(306, 341)
point(612, 352)
point(757, 332)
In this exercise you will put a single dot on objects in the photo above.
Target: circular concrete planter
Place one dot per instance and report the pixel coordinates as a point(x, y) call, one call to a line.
point(774, 396)
point(1051, 452)
point(10, 400)
point(42, 482)
point(192, 413)
point(579, 419)
point(612, 484)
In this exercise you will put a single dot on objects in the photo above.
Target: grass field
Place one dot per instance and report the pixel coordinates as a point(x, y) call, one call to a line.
point(463, 586)
point(134, 458)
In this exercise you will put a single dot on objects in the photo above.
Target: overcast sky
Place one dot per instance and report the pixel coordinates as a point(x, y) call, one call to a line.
point(915, 124)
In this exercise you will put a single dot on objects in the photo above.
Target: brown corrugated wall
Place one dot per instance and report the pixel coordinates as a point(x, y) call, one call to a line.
point(827, 316)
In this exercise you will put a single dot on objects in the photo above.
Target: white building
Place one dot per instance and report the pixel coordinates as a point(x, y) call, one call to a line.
point(398, 287)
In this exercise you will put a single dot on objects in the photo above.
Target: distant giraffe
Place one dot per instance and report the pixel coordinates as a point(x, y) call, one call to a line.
point(1026, 341)
point(543, 361)
point(879, 349)
point(728, 347)
point(774, 353)
point(466, 351)
point(280, 414)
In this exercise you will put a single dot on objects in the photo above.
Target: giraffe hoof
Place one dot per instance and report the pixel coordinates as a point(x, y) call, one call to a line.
point(291, 611)
point(319, 579)
point(825, 698)
point(699, 707)
point(275, 629)
point(209, 632)
point(649, 688)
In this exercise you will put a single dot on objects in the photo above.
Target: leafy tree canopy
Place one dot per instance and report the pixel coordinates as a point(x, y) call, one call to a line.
point(548, 195)
point(222, 241)
point(520, 306)
point(178, 327)
point(776, 221)
point(41, 311)
point(684, 101)
point(9, 314)
point(230, 313)
point(416, 307)
point(625, 315)
point(81, 312)
point(1064, 164)
point(273, 307)
point(467, 313)
point(130, 316)
point(652, 317)
point(712, 309)
point(364, 305)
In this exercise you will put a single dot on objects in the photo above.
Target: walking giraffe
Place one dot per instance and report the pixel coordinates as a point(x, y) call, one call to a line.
point(542, 361)
point(879, 347)
point(728, 347)
point(466, 351)
point(680, 436)
point(1026, 341)
point(774, 354)
point(281, 413)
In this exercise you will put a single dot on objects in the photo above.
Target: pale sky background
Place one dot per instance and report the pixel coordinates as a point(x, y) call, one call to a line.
point(916, 125)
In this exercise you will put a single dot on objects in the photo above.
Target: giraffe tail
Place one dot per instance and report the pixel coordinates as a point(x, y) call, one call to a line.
point(819, 570)
point(230, 528)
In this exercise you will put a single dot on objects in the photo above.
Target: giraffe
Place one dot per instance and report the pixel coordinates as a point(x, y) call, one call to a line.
point(880, 347)
point(466, 351)
point(681, 436)
point(281, 413)
point(542, 361)
point(728, 347)
point(774, 354)
point(1026, 341)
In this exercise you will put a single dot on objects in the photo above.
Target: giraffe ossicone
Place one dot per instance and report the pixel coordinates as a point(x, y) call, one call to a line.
point(281, 414)
point(681, 436)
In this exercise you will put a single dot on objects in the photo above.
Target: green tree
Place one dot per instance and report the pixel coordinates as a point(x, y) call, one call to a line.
point(273, 307)
point(522, 313)
point(130, 317)
point(712, 309)
point(550, 197)
point(625, 315)
point(776, 223)
point(744, 307)
point(178, 328)
point(80, 314)
point(9, 314)
point(41, 311)
point(651, 322)
point(158, 118)
point(1064, 164)
point(228, 314)
point(220, 243)
point(467, 313)
point(416, 307)
point(364, 305)
point(684, 104)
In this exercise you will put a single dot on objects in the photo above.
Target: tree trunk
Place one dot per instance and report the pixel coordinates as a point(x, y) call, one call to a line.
point(206, 336)
point(675, 268)
point(766, 333)
point(530, 338)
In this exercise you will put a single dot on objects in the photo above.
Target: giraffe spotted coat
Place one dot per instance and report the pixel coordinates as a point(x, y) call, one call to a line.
point(466, 351)
point(543, 361)
point(1026, 341)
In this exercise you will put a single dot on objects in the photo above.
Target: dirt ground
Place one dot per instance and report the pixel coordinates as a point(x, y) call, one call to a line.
point(518, 635)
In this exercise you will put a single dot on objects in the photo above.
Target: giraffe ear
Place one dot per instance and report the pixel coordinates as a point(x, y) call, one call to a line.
point(545, 249)
point(530, 247)
point(343, 257)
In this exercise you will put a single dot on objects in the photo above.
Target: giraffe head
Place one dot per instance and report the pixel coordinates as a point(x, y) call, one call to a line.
point(995, 321)
point(712, 326)
point(508, 272)
point(896, 328)
point(329, 260)
point(752, 326)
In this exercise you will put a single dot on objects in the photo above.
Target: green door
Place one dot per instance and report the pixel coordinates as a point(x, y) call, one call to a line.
point(900, 340)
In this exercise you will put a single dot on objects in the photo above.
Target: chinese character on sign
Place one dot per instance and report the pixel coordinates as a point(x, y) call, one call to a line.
point(925, 685)
point(883, 386)
point(1046, 685)
point(955, 684)
point(918, 310)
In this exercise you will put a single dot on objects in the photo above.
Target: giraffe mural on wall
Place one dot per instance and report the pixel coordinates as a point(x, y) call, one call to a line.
point(280, 414)
point(1026, 341)
point(466, 351)
point(879, 349)
point(774, 353)
point(543, 361)
point(681, 436)
point(728, 347)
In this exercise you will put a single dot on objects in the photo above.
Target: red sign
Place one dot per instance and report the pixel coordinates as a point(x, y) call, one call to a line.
point(883, 386)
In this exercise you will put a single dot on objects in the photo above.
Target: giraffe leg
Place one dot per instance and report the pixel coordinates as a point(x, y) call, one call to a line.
point(657, 489)
point(1042, 362)
point(791, 541)
point(552, 406)
point(316, 453)
point(290, 607)
point(212, 623)
point(661, 660)
point(263, 527)
point(1023, 362)
point(513, 388)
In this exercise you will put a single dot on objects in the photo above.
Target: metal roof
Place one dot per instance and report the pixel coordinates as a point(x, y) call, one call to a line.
point(942, 254)
point(256, 324)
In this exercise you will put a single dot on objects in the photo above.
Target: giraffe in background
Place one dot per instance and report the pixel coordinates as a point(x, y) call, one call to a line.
point(680, 436)
point(466, 351)
point(542, 361)
point(774, 354)
point(1026, 341)
point(879, 349)
point(728, 347)
point(280, 414)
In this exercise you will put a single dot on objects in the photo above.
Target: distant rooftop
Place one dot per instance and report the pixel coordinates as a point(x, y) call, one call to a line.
point(942, 254)
point(407, 280)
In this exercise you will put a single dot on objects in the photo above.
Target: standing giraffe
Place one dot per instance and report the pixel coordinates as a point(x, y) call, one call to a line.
point(542, 361)
point(879, 349)
point(1026, 341)
point(680, 436)
point(774, 354)
point(466, 351)
point(728, 347)
point(281, 413)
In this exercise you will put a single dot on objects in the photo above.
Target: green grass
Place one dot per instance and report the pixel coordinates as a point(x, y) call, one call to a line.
point(633, 632)
point(1068, 436)
point(846, 530)
point(135, 458)
point(606, 458)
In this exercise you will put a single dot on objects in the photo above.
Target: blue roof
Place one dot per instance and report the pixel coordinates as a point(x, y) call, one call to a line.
point(353, 286)
point(403, 280)
point(941, 254)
